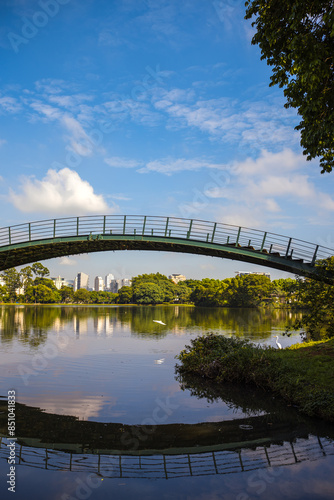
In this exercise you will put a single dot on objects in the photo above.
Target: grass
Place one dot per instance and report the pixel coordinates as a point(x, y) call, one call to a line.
point(301, 374)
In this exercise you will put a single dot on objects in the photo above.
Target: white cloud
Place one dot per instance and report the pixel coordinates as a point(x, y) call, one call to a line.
point(167, 166)
point(10, 104)
point(266, 189)
point(59, 192)
point(116, 161)
point(170, 166)
point(119, 196)
point(48, 111)
point(79, 140)
point(258, 124)
point(66, 261)
point(268, 162)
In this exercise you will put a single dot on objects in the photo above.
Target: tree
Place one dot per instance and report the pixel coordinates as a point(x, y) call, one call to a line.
point(125, 295)
point(166, 286)
point(81, 295)
point(102, 297)
point(285, 289)
point(209, 293)
point(26, 277)
point(296, 37)
point(168, 289)
point(317, 297)
point(148, 293)
point(249, 291)
point(42, 294)
point(39, 270)
point(66, 293)
point(182, 293)
point(12, 281)
point(3, 294)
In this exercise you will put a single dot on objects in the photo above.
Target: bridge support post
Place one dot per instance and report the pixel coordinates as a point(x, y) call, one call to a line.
point(124, 223)
point(314, 255)
point(288, 247)
point(213, 232)
point(166, 228)
point(264, 239)
point(189, 230)
point(238, 236)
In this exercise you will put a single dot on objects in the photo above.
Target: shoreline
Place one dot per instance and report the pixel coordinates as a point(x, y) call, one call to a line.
point(301, 374)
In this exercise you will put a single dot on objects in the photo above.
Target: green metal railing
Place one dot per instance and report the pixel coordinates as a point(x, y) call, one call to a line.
point(168, 466)
point(165, 227)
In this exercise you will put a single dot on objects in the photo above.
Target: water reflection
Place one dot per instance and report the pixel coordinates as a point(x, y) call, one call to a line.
point(50, 441)
point(31, 324)
point(174, 465)
point(93, 372)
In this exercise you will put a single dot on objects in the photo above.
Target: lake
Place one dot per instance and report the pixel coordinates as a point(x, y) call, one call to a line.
point(100, 412)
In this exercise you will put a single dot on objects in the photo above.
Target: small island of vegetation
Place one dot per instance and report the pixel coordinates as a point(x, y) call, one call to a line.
point(301, 374)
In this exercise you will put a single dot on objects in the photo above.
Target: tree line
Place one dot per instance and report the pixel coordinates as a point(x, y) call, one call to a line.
point(32, 285)
point(316, 297)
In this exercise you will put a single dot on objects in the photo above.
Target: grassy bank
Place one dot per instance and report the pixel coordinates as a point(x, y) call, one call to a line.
point(301, 374)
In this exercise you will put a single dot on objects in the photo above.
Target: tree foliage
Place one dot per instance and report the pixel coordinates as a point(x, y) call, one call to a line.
point(148, 293)
point(317, 297)
point(12, 281)
point(297, 39)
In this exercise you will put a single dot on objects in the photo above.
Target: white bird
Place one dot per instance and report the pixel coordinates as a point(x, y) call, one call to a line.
point(159, 361)
point(277, 343)
point(159, 321)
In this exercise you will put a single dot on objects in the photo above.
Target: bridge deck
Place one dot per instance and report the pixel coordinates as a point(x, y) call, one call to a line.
point(40, 240)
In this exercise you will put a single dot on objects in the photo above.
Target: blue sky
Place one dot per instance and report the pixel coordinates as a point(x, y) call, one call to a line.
point(158, 107)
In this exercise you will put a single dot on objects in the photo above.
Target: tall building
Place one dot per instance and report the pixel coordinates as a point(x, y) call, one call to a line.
point(98, 284)
point(177, 277)
point(107, 281)
point(82, 281)
point(126, 282)
point(59, 282)
point(114, 286)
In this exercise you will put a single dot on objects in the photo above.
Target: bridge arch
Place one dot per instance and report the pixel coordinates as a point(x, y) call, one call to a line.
point(41, 240)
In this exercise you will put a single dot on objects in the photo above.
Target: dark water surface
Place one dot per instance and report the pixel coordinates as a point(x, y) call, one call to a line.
point(101, 414)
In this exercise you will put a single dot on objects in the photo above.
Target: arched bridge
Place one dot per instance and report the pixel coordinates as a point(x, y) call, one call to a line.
point(46, 239)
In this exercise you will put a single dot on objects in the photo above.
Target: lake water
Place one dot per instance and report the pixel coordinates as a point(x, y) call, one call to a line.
point(101, 413)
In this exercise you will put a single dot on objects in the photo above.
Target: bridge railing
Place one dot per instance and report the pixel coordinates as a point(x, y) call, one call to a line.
point(160, 466)
point(166, 227)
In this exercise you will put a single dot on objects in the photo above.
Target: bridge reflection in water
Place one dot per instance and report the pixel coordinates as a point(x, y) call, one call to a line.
point(168, 466)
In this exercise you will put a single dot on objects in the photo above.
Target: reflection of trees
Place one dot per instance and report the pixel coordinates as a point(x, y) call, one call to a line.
point(250, 400)
point(30, 324)
point(258, 323)
point(73, 434)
